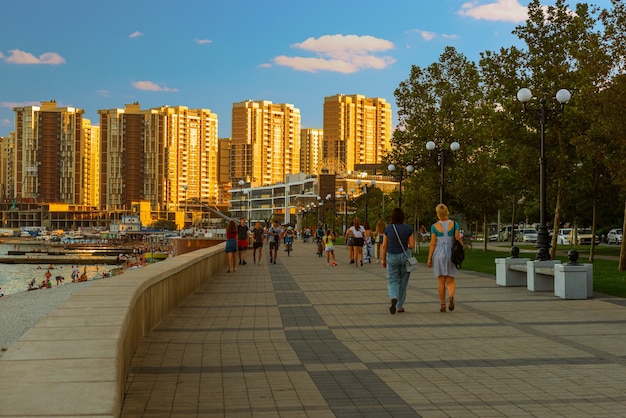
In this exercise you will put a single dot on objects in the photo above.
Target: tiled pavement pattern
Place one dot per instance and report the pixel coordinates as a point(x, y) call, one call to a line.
point(301, 339)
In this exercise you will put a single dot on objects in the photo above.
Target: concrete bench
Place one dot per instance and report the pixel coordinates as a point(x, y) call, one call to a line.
point(568, 281)
point(508, 274)
point(573, 281)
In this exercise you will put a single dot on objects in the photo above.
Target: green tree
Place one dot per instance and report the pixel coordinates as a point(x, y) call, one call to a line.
point(164, 225)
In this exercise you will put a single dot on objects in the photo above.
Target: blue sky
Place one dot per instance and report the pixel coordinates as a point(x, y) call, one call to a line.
point(212, 53)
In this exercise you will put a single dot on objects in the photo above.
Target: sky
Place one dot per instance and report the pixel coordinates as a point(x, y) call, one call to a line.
point(213, 53)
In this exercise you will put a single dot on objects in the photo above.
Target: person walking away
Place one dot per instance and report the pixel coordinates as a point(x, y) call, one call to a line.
point(358, 241)
point(380, 232)
point(329, 248)
point(348, 239)
point(275, 233)
point(242, 240)
point(257, 244)
point(442, 236)
point(368, 246)
point(398, 241)
point(231, 245)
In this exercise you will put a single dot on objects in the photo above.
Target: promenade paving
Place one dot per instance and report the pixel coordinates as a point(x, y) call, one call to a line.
point(301, 339)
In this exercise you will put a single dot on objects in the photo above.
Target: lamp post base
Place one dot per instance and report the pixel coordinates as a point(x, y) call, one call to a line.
point(543, 244)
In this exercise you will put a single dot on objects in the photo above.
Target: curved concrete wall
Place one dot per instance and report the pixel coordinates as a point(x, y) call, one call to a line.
point(75, 361)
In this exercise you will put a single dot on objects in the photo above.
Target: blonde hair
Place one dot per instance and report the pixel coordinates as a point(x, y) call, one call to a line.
point(442, 211)
point(380, 226)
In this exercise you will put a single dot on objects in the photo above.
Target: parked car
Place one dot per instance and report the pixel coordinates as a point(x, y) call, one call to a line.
point(527, 235)
point(583, 236)
point(562, 237)
point(614, 236)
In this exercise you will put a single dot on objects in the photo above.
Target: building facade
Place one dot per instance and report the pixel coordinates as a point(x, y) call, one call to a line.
point(49, 151)
point(167, 156)
point(357, 131)
point(265, 143)
point(311, 142)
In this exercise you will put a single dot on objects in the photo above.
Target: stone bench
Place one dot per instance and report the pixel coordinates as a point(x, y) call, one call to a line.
point(568, 281)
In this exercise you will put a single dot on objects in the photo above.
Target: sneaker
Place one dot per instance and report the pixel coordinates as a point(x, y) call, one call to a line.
point(334, 263)
point(244, 262)
point(328, 264)
point(274, 261)
point(392, 308)
point(351, 261)
point(271, 259)
point(239, 262)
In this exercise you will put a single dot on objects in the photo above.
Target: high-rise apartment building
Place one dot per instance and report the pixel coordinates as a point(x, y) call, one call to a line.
point(91, 163)
point(357, 130)
point(6, 167)
point(167, 156)
point(265, 142)
point(48, 157)
point(311, 141)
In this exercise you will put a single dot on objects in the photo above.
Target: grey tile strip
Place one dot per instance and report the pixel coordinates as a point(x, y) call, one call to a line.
point(349, 393)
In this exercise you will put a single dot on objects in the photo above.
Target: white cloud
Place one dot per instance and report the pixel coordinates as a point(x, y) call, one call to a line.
point(150, 86)
point(499, 10)
point(6, 122)
point(203, 41)
point(428, 36)
point(11, 105)
point(339, 53)
point(103, 93)
point(449, 36)
point(135, 34)
point(17, 56)
point(1, 55)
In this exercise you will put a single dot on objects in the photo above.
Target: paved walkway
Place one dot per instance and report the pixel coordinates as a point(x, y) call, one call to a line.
point(301, 339)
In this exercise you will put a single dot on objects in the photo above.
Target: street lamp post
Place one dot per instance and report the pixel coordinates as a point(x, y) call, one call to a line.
point(430, 146)
point(409, 169)
point(241, 184)
point(365, 190)
point(563, 96)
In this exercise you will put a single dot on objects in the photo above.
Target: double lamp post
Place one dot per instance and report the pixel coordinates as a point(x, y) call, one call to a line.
point(563, 96)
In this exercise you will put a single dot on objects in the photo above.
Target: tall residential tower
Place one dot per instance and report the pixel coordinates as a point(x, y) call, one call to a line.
point(357, 130)
point(265, 142)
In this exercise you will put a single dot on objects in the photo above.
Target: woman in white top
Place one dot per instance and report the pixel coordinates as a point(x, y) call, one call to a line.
point(358, 240)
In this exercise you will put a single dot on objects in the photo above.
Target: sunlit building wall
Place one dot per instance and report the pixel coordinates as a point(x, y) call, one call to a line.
point(311, 141)
point(265, 142)
point(357, 130)
point(91, 163)
point(167, 156)
point(49, 154)
point(132, 144)
point(192, 155)
point(6, 167)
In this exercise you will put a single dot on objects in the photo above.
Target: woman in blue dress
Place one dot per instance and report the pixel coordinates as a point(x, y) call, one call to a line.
point(442, 236)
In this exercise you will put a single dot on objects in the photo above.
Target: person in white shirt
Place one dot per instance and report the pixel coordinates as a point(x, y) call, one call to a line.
point(357, 230)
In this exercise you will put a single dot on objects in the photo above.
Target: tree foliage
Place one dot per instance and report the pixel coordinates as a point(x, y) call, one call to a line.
point(454, 99)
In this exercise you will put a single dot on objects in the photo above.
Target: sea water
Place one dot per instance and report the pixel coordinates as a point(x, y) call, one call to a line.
point(14, 278)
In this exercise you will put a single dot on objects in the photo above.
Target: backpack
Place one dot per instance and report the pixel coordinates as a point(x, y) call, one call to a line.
point(458, 253)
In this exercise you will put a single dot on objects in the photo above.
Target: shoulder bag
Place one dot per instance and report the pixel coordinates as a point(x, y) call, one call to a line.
point(411, 262)
point(458, 253)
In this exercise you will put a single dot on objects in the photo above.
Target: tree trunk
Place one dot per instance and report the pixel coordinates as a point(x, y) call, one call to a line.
point(557, 218)
point(594, 212)
point(485, 234)
point(622, 252)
